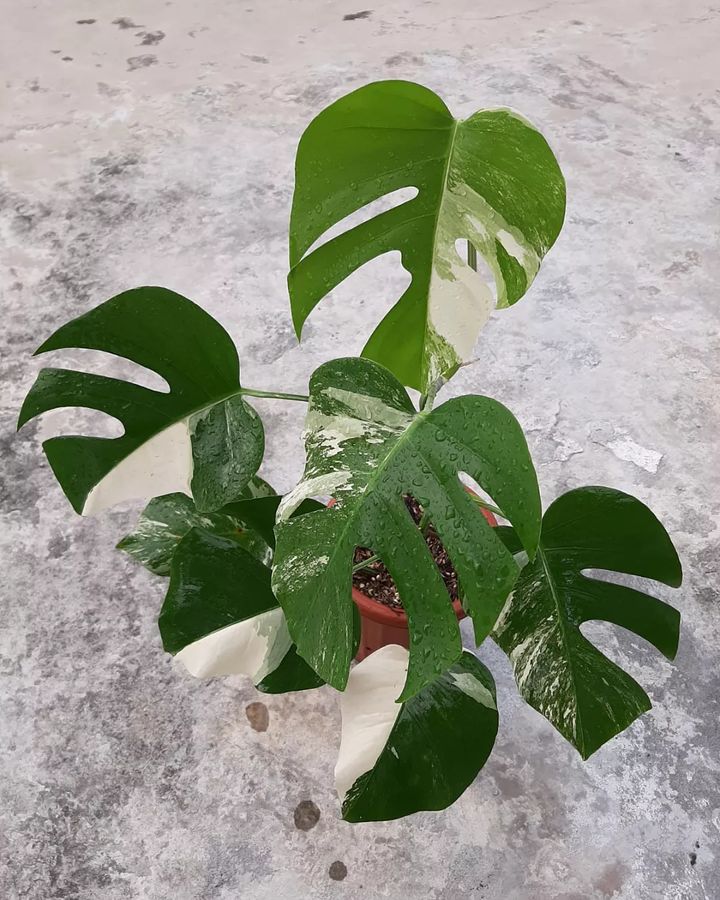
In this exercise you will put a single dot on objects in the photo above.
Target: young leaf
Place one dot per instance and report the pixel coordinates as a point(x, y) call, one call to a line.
point(396, 759)
point(220, 616)
point(491, 179)
point(582, 693)
point(169, 334)
point(367, 447)
point(228, 443)
point(166, 520)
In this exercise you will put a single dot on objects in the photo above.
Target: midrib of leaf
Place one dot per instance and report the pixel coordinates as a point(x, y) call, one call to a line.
point(563, 631)
point(372, 482)
point(446, 172)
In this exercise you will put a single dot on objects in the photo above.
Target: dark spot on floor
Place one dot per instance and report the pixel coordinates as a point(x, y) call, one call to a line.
point(402, 59)
point(509, 785)
point(306, 815)
point(337, 870)
point(259, 59)
point(86, 21)
point(123, 22)
point(363, 14)
point(693, 858)
point(611, 879)
point(141, 62)
point(150, 38)
point(113, 166)
point(58, 545)
point(258, 716)
point(66, 58)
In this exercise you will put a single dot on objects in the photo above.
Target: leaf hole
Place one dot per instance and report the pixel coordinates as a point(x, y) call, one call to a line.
point(366, 295)
point(479, 269)
point(102, 363)
point(365, 214)
point(73, 420)
point(474, 487)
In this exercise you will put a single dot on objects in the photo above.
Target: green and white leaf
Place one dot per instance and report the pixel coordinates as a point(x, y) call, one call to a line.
point(490, 179)
point(559, 672)
point(367, 447)
point(170, 335)
point(399, 758)
point(220, 616)
point(166, 520)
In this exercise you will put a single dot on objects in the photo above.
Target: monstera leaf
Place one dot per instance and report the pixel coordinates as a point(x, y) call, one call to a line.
point(200, 435)
point(220, 616)
point(490, 179)
point(367, 447)
point(558, 671)
point(400, 758)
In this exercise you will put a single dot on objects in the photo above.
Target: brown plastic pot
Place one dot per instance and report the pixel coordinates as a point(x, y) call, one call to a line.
point(382, 625)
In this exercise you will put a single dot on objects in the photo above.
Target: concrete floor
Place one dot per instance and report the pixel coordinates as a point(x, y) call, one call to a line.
point(153, 143)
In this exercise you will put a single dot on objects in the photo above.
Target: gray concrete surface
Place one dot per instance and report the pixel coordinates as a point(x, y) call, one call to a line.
point(153, 143)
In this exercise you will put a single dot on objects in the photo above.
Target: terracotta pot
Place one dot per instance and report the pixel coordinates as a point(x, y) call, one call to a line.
point(382, 625)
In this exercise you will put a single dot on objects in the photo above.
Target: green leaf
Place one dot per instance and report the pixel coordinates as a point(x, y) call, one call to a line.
point(397, 759)
point(368, 448)
point(293, 674)
point(166, 520)
point(228, 443)
point(490, 179)
point(558, 671)
point(220, 616)
point(170, 335)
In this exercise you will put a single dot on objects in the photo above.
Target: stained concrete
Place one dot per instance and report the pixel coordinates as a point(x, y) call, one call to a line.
point(153, 143)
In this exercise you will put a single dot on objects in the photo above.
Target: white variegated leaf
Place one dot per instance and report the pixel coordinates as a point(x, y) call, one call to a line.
point(490, 180)
point(399, 758)
point(174, 440)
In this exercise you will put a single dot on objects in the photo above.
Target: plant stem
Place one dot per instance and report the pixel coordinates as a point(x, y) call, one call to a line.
point(277, 395)
point(427, 399)
point(488, 506)
point(365, 563)
point(472, 256)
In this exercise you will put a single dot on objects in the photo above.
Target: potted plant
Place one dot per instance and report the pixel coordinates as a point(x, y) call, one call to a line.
point(263, 585)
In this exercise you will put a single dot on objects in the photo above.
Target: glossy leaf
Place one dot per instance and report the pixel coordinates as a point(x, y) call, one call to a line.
point(170, 335)
point(396, 759)
point(490, 179)
point(559, 672)
point(367, 447)
point(228, 443)
point(220, 616)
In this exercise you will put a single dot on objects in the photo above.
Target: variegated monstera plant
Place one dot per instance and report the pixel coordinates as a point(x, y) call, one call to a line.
point(261, 584)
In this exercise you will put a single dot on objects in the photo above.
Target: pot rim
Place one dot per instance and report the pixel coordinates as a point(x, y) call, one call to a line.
point(373, 609)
